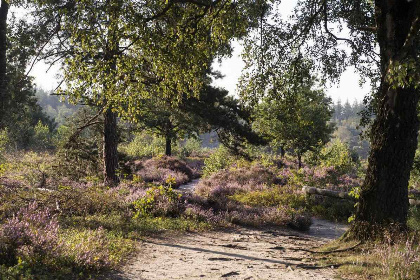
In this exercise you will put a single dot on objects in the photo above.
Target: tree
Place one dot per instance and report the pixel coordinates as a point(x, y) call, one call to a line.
point(116, 52)
point(211, 110)
point(4, 9)
point(392, 27)
point(161, 118)
point(18, 99)
point(298, 120)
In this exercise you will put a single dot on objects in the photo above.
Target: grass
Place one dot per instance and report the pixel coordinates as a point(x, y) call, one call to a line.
point(396, 260)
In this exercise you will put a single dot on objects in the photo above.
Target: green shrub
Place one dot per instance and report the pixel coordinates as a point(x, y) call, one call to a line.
point(4, 140)
point(42, 138)
point(414, 218)
point(159, 201)
point(144, 145)
point(338, 155)
point(271, 197)
point(219, 159)
point(191, 147)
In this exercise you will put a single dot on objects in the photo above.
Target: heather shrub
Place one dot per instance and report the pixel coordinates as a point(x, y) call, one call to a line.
point(31, 235)
point(159, 201)
point(218, 160)
point(254, 178)
point(159, 170)
point(275, 196)
point(94, 249)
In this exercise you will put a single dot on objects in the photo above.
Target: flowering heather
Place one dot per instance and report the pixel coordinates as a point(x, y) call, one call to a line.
point(128, 193)
point(228, 182)
point(159, 170)
point(31, 234)
point(88, 249)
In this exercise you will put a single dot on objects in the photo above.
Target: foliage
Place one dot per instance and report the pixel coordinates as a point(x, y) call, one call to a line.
point(337, 155)
point(298, 117)
point(20, 111)
point(144, 145)
point(220, 159)
point(178, 41)
point(57, 109)
point(79, 150)
point(190, 147)
point(158, 201)
point(4, 141)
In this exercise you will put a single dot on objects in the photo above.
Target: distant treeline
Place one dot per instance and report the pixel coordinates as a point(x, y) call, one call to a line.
point(347, 119)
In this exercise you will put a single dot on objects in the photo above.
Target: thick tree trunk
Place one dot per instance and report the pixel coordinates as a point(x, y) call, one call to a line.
point(383, 201)
point(110, 152)
point(168, 148)
point(4, 9)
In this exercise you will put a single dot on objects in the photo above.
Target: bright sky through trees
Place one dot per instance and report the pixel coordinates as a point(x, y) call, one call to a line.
point(231, 68)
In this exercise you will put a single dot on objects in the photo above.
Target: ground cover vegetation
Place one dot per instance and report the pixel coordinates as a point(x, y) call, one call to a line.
point(81, 184)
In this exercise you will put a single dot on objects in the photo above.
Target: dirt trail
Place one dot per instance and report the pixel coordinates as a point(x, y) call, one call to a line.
point(238, 253)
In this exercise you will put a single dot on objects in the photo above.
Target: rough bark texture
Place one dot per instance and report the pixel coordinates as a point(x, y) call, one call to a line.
point(168, 148)
point(383, 201)
point(4, 9)
point(110, 155)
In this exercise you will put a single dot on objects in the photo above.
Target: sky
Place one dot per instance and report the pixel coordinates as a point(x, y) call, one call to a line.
point(347, 89)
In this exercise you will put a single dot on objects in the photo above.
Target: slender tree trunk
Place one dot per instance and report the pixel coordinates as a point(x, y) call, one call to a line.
point(383, 201)
point(299, 160)
point(282, 152)
point(110, 152)
point(4, 9)
point(168, 149)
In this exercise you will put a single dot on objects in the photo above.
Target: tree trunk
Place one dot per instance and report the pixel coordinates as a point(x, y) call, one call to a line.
point(168, 149)
point(282, 151)
point(383, 201)
point(299, 160)
point(110, 152)
point(4, 9)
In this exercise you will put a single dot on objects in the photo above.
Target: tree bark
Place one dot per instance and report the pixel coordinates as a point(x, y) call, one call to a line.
point(299, 160)
point(4, 9)
point(383, 200)
point(168, 148)
point(110, 152)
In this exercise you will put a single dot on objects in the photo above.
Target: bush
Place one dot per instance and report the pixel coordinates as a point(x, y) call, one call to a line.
point(218, 160)
point(190, 147)
point(144, 145)
point(42, 138)
point(32, 235)
point(338, 155)
point(159, 202)
point(159, 170)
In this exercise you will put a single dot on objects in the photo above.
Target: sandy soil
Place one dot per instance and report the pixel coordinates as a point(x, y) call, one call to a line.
point(240, 253)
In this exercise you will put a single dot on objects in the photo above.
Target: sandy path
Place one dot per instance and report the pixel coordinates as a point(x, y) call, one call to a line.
point(240, 253)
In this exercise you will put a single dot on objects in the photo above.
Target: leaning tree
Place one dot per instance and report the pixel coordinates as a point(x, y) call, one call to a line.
point(381, 40)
